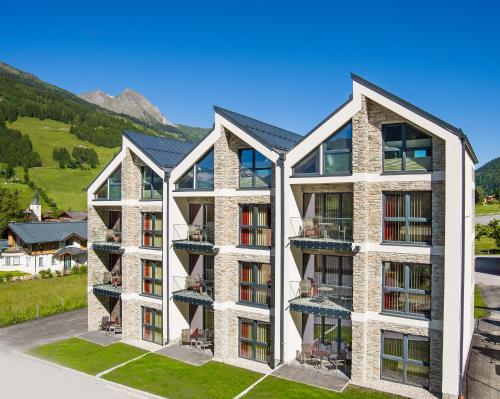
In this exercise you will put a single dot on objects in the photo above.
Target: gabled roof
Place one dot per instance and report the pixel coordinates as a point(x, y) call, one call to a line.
point(40, 232)
point(164, 152)
point(419, 111)
point(270, 136)
point(75, 215)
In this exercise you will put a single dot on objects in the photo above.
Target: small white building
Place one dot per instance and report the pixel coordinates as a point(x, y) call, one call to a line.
point(35, 246)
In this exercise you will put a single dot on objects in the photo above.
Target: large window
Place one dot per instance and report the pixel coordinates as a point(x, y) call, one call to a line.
point(255, 283)
point(112, 189)
point(200, 176)
point(407, 288)
point(152, 185)
point(152, 235)
point(407, 217)
point(405, 358)
point(335, 153)
point(255, 337)
point(152, 278)
point(255, 225)
point(152, 325)
point(406, 149)
point(255, 169)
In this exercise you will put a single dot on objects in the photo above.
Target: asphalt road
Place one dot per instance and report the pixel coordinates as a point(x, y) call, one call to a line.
point(40, 331)
point(485, 219)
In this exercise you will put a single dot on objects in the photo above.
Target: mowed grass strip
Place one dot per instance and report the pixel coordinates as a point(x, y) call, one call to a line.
point(19, 299)
point(173, 379)
point(487, 246)
point(480, 306)
point(86, 356)
point(273, 387)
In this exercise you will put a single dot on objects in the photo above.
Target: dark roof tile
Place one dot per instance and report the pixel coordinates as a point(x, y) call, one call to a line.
point(40, 232)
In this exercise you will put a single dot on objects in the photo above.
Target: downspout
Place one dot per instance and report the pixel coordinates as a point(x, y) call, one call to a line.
point(462, 282)
point(167, 268)
point(281, 164)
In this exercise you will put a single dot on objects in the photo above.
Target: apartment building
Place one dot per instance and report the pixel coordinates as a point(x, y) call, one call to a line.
point(356, 238)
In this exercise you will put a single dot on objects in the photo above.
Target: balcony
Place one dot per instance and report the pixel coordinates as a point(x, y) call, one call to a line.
point(194, 237)
point(107, 284)
point(321, 233)
point(112, 243)
point(321, 299)
point(194, 291)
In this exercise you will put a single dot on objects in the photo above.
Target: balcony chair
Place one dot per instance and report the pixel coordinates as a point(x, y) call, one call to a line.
point(305, 288)
point(195, 233)
point(310, 229)
point(103, 326)
point(190, 283)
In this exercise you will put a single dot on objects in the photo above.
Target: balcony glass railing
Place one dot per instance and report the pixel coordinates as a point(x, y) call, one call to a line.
point(321, 228)
point(113, 236)
point(113, 279)
point(194, 233)
point(324, 294)
point(194, 285)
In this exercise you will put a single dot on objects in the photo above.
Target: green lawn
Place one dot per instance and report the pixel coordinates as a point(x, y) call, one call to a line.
point(480, 306)
point(486, 246)
point(87, 356)
point(273, 387)
point(18, 299)
point(173, 379)
point(14, 273)
point(67, 187)
point(490, 209)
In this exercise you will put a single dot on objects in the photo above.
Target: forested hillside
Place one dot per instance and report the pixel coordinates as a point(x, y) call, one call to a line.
point(488, 177)
point(22, 94)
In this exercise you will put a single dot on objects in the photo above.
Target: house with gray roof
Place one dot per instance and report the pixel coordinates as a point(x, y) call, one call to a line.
point(35, 246)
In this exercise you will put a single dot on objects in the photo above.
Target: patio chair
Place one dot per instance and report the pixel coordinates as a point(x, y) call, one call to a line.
point(195, 233)
point(190, 283)
point(309, 229)
point(338, 362)
point(104, 323)
point(185, 337)
point(305, 288)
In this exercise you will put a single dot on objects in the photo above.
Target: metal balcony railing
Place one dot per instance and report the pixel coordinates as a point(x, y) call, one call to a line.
point(321, 228)
point(194, 233)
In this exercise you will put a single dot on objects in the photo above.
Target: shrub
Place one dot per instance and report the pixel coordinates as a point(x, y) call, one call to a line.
point(75, 270)
point(83, 269)
point(45, 273)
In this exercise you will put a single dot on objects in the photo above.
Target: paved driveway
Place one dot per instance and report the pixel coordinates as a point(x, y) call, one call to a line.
point(485, 219)
point(483, 378)
point(36, 332)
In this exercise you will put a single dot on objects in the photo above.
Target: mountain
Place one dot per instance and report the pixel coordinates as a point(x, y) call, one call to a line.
point(128, 102)
point(23, 94)
point(488, 177)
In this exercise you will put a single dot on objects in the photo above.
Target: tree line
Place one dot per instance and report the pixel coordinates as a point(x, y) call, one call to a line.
point(80, 156)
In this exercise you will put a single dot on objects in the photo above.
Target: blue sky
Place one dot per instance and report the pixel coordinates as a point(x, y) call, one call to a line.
point(285, 63)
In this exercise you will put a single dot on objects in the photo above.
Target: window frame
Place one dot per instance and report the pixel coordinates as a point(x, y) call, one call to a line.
point(254, 227)
point(107, 183)
point(253, 285)
point(406, 218)
point(152, 230)
point(406, 290)
point(152, 326)
point(253, 169)
point(153, 280)
point(404, 126)
point(253, 342)
point(144, 170)
point(194, 170)
point(405, 360)
point(321, 154)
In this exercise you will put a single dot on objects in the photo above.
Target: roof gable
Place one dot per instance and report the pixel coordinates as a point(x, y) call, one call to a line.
point(40, 232)
point(273, 137)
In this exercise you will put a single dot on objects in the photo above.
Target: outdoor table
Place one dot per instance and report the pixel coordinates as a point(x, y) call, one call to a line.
point(324, 290)
point(322, 355)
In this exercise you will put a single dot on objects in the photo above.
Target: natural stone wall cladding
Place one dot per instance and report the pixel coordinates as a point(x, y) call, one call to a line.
point(131, 176)
point(132, 270)
point(367, 138)
point(366, 339)
point(226, 331)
